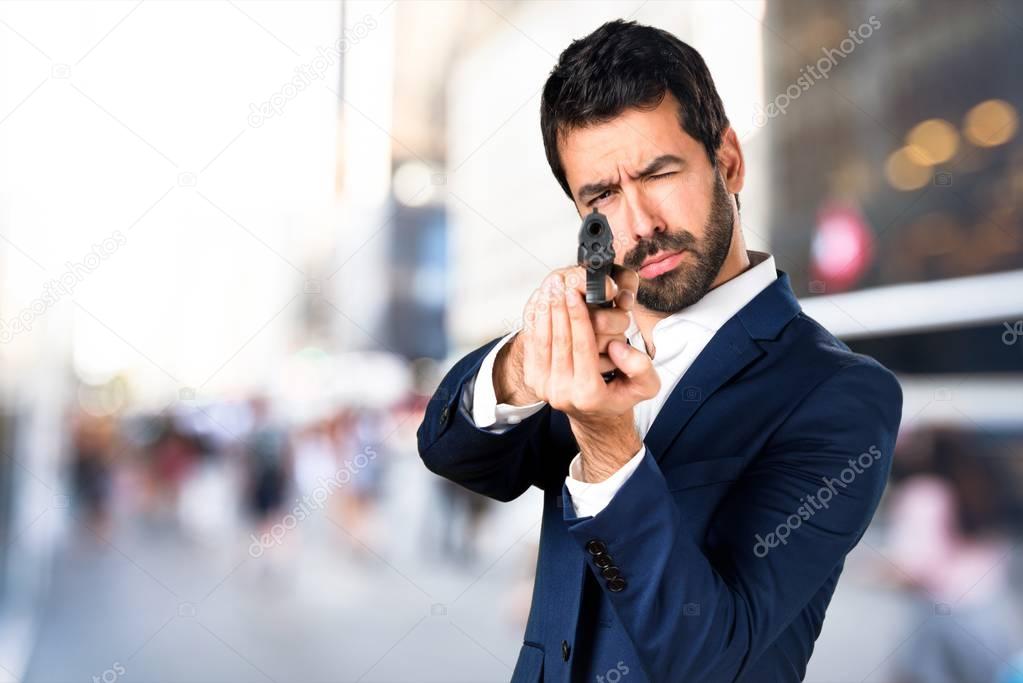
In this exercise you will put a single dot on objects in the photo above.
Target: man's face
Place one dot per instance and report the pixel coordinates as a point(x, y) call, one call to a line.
point(668, 207)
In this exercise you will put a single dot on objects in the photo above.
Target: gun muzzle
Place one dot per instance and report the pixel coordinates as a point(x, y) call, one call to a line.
point(597, 255)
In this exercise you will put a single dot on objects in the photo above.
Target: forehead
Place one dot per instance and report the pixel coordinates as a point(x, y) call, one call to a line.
point(627, 143)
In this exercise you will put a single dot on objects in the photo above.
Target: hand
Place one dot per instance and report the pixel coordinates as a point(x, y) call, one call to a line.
point(516, 381)
point(558, 356)
point(562, 367)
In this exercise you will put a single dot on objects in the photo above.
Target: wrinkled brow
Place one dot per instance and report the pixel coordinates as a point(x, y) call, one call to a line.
point(601, 186)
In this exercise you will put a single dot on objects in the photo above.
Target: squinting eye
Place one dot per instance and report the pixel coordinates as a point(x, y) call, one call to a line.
point(596, 199)
point(663, 175)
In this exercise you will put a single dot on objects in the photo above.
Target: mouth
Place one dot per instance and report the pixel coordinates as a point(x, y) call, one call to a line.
point(660, 263)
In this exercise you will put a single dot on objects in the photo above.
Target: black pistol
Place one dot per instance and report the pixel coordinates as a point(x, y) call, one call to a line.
point(597, 255)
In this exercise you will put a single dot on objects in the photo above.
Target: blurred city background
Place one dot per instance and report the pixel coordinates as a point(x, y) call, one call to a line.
point(241, 241)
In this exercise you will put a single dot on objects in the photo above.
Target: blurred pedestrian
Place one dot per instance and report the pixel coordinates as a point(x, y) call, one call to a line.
point(267, 457)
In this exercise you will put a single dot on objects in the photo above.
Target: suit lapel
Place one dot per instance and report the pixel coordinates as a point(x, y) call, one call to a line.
point(728, 352)
point(732, 348)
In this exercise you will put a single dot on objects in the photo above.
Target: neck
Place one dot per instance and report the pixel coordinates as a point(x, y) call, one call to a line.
point(736, 263)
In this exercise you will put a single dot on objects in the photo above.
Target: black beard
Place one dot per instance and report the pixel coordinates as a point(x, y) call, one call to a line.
point(687, 283)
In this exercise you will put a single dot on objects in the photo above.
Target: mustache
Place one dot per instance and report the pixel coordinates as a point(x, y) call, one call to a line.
point(658, 242)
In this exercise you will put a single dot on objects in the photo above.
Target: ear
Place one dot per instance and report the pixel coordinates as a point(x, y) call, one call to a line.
point(730, 161)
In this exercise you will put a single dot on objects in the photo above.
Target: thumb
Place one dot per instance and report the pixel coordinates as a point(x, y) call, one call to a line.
point(635, 365)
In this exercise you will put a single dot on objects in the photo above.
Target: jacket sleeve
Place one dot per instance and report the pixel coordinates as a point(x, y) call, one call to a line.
point(706, 616)
point(499, 465)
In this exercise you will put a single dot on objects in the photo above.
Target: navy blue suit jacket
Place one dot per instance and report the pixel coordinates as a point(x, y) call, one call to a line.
point(717, 558)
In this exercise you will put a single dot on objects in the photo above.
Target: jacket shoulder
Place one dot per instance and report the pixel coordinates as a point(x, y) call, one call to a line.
point(814, 360)
point(811, 343)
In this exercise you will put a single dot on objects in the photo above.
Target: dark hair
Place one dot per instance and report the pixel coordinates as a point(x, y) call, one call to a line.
point(626, 65)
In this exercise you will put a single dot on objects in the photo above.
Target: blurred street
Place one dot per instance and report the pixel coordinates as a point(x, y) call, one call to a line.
point(167, 608)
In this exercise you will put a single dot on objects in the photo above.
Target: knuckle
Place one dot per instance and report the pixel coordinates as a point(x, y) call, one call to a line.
point(612, 321)
point(557, 400)
point(584, 400)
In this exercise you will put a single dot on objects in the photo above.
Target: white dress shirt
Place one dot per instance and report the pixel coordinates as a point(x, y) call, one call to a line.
point(678, 340)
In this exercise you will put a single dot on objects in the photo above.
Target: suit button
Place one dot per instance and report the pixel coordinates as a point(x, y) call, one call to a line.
point(611, 573)
point(602, 561)
point(616, 585)
point(565, 650)
point(596, 547)
point(444, 415)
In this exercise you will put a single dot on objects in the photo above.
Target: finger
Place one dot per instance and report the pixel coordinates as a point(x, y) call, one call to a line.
point(610, 288)
point(528, 334)
point(626, 278)
point(609, 324)
point(539, 354)
point(529, 315)
point(610, 321)
point(575, 278)
point(561, 338)
point(627, 281)
point(584, 342)
point(604, 341)
point(637, 367)
point(625, 300)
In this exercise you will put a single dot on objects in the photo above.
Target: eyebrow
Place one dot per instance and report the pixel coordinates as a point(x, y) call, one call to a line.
point(601, 186)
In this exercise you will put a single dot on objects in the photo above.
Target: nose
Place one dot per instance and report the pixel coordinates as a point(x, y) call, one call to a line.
point(642, 218)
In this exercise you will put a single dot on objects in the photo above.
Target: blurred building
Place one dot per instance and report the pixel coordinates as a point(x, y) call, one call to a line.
point(896, 170)
point(913, 130)
point(157, 227)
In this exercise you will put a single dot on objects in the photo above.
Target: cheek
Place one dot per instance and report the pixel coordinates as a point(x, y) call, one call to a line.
point(670, 197)
point(679, 205)
point(622, 244)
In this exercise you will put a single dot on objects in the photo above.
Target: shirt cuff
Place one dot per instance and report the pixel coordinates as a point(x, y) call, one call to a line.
point(588, 499)
point(486, 412)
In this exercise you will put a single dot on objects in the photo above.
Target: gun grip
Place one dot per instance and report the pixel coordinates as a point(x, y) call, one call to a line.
point(596, 288)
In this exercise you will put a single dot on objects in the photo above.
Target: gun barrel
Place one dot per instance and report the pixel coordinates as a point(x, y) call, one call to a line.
point(597, 255)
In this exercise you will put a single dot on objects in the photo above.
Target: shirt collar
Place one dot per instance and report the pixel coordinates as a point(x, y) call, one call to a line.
point(721, 303)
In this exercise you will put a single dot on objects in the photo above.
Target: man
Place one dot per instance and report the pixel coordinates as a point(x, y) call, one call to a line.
point(699, 506)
